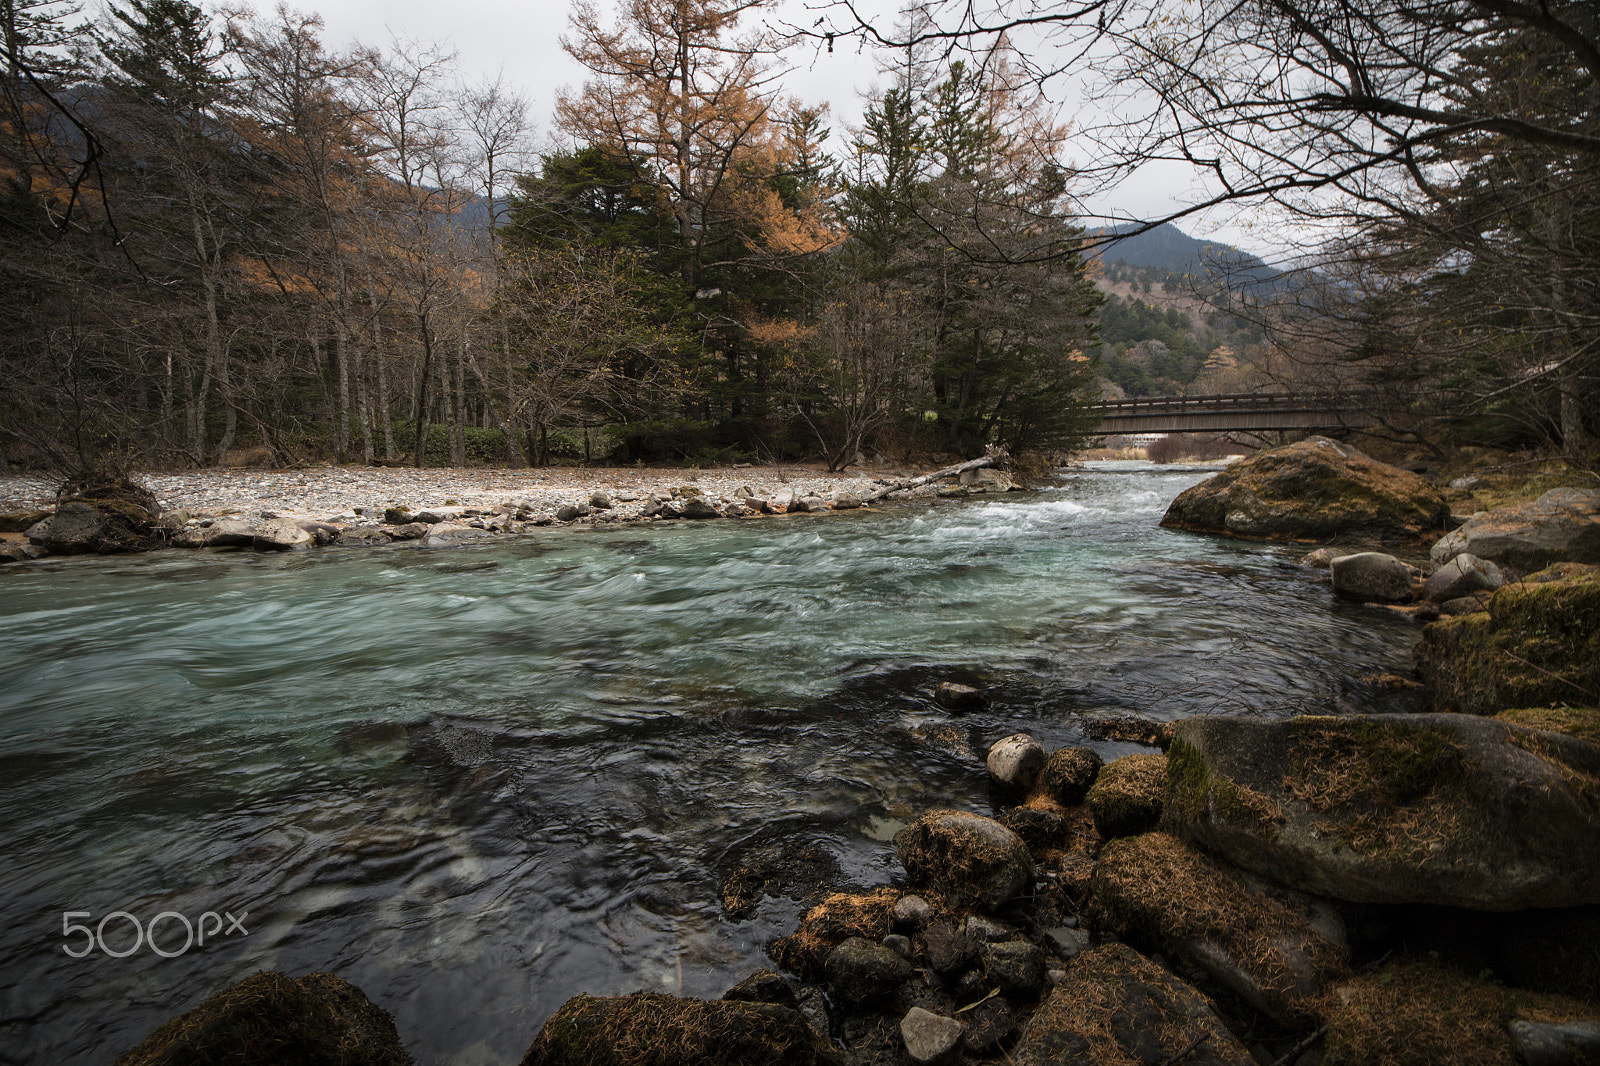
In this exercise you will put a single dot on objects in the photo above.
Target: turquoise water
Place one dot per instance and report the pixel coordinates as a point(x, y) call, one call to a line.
point(478, 780)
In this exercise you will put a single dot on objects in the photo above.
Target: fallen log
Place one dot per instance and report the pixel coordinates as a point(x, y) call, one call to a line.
point(991, 456)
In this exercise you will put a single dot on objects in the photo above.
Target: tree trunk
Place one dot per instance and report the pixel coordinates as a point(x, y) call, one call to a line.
point(420, 420)
point(991, 456)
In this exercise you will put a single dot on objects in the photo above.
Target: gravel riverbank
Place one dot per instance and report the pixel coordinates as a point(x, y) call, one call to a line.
point(326, 491)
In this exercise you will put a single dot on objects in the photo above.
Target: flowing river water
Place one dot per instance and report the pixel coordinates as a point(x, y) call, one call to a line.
point(476, 781)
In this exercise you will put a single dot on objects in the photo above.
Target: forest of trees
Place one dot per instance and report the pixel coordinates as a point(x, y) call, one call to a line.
point(1436, 161)
point(222, 237)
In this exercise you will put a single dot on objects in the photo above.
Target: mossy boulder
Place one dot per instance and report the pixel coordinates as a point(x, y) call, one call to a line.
point(1419, 1013)
point(1425, 808)
point(864, 971)
point(970, 860)
point(1127, 795)
point(105, 526)
point(1068, 774)
point(1537, 643)
point(1580, 722)
point(651, 1029)
point(837, 918)
point(1563, 525)
point(1117, 1008)
point(1275, 947)
point(271, 1019)
point(1316, 489)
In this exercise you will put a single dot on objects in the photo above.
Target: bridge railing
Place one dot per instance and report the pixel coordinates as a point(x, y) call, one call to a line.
point(1245, 401)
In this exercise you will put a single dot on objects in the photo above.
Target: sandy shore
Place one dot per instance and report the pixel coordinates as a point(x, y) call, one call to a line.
point(323, 492)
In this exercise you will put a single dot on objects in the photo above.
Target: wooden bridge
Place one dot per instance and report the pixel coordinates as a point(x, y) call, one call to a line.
point(1247, 412)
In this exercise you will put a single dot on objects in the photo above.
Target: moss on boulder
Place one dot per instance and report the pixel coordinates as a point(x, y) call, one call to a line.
point(1127, 795)
point(1068, 774)
point(271, 1019)
point(970, 860)
point(1580, 722)
point(1316, 489)
point(837, 918)
point(1418, 1013)
point(651, 1029)
point(1537, 643)
point(1117, 1008)
point(1275, 947)
point(1427, 808)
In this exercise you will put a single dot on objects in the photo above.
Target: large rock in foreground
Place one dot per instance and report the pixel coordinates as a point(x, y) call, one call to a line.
point(1422, 1013)
point(271, 1019)
point(1313, 490)
point(1117, 1006)
point(1275, 947)
point(1538, 643)
point(970, 859)
point(650, 1029)
point(1426, 808)
point(1563, 525)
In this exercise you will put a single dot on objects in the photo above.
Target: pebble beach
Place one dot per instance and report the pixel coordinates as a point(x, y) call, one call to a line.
point(323, 492)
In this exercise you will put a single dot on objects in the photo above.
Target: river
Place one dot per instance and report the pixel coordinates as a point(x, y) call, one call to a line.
point(476, 781)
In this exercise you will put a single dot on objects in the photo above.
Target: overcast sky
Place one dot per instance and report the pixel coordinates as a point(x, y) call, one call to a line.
point(522, 39)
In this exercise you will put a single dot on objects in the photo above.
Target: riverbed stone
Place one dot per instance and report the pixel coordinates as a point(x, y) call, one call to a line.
point(652, 1029)
point(967, 858)
point(1117, 1006)
point(953, 696)
point(1575, 1043)
point(263, 534)
point(1042, 830)
point(453, 533)
point(1421, 808)
point(1563, 525)
point(1015, 761)
point(271, 1019)
point(1537, 643)
point(1372, 577)
point(1275, 947)
point(1315, 489)
point(1462, 576)
point(809, 505)
point(764, 986)
point(1069, 773)
point(912, 911)
point(862, 971)
point(1127, 795)
point(697, 507)
point(948, 950)
point(408, 531)
point(929, 1038)
point(1016, 967)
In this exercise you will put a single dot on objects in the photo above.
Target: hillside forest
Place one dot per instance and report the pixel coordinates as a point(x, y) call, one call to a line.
point(223, 239)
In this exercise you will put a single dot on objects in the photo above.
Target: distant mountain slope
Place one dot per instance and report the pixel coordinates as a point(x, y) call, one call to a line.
point(1167, 248)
